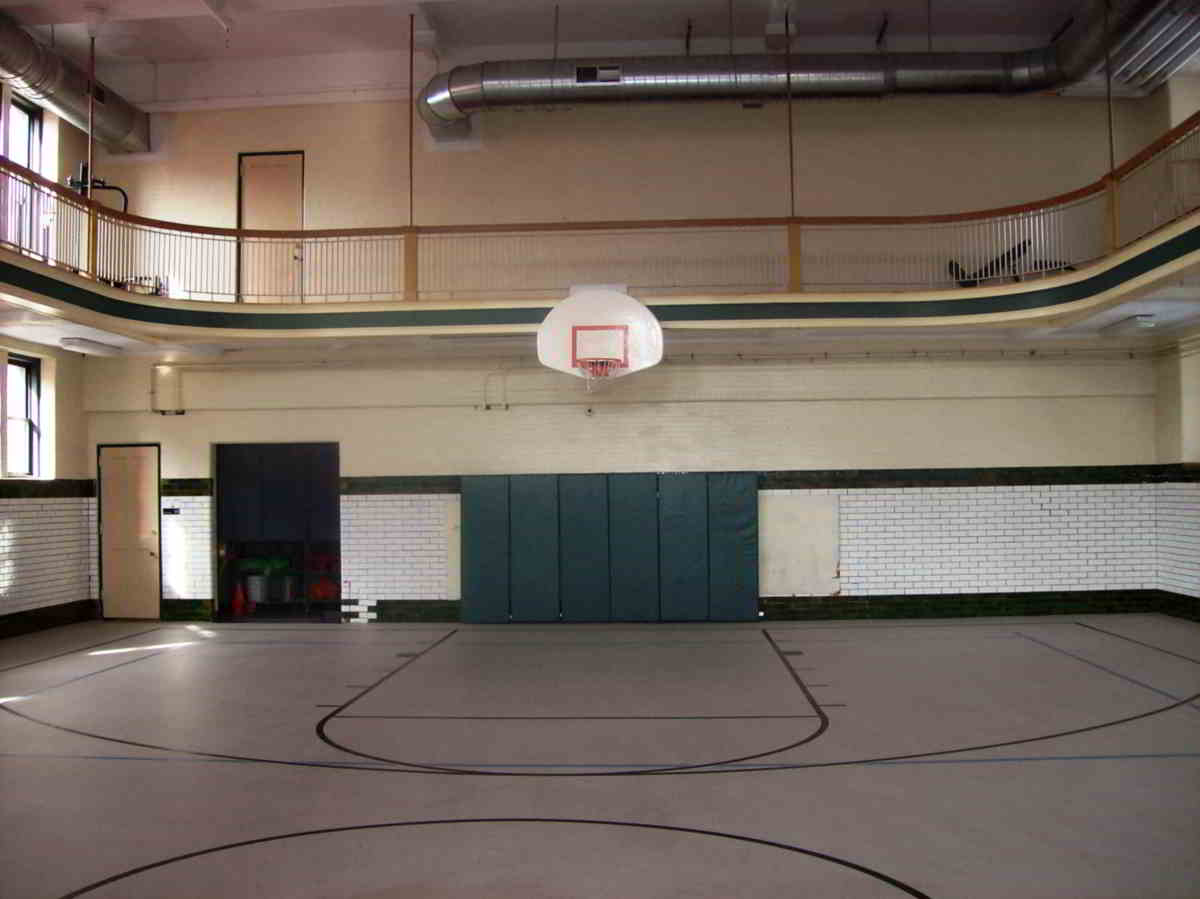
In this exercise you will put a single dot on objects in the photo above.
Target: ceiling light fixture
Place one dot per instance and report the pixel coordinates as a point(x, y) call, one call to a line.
point(90, 347)
point(1129, 325)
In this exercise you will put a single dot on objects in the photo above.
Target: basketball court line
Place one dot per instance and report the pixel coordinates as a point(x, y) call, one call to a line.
point(926, 757)
point(936, 755)
point(1169, 652)
point(90, 674)
point(1106, 669)
point(359, 828)
point(574, 717)
point(381, 767)
point(83, 649)
point(823, 725)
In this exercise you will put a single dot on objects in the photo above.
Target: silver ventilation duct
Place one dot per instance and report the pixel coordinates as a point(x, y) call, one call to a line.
point(39, 74)
point(452, 97)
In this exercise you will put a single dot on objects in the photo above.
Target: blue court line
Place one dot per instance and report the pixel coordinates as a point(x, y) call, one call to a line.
point(1118, 674)
point(1134, 756)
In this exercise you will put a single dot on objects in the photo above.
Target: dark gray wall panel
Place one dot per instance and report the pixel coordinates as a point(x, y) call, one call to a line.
point(683, 547)
point(533, 538)
point(583, 549)
point(633, 546)
point(733, 546)
point(485, 553)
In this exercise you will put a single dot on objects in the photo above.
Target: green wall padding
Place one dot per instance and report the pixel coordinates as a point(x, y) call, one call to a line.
point(583, 548)
point(485, 556)
point(533, 541)
point(683, 547)
point(633, 546)
point(733, 546)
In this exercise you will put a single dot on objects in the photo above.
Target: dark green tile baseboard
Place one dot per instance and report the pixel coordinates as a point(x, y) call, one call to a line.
point(971, 605)
point(885, 478)
point(63, 488)
point(186, 610)
point(418, 610)
point(52, 616)
point(842, 608)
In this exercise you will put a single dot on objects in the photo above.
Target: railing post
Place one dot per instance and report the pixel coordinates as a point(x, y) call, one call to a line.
point(92, 240)
point(411, 267)
point(1114, 212)
point(795, 235)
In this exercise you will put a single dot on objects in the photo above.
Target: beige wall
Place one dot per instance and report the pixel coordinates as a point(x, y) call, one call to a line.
point(1189, 404)
point(1184, 97)
point(900, 155)
point(408, 421)
point(1168, 410)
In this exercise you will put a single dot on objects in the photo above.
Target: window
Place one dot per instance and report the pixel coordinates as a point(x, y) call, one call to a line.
point(23, 203)
point(24, 134)
point(22, 434)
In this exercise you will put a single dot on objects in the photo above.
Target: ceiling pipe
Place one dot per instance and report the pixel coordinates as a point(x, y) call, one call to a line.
point(43, 76)
point(450, 98)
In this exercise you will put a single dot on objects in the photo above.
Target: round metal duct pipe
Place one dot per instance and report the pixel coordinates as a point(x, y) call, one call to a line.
point(453, 96)
point(39, 74)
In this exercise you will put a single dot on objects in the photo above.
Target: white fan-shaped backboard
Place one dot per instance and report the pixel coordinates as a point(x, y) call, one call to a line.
point(599, 323)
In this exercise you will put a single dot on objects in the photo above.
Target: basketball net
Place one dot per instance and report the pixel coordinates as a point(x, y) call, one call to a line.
point(595, 369)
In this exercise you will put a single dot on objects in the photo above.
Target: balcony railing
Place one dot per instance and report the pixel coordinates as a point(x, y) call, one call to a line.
point(53, 224)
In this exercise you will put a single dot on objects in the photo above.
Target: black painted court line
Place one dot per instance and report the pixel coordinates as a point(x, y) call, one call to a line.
point(572, 717)
point(76, 680)
point(1169, 652)
point(377, 767)
point(799, 766)
point(358, 828)
point(392, 768)
point(1105, 669)
point(70, 652)
point(823, 725)
point(358, 643)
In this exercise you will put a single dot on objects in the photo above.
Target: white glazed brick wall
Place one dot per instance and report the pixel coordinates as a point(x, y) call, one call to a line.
point(394, 547)
point(93, 536)
point(1178, 516)
point(44, 553)
point(998, 539)
point(187, 545)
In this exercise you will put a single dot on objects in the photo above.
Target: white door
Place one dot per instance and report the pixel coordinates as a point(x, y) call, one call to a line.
point(130, 568)
point(271, 187)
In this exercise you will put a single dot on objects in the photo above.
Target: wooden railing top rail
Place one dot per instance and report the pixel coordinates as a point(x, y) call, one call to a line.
point(1192, 123)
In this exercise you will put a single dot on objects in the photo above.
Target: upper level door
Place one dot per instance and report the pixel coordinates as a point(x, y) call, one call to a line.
point(130, 568)
point(271, 198)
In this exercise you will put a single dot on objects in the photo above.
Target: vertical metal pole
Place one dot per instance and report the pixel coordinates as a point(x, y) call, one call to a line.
point(787, 27)
point(91, 152)
point(1114, 200)
point(412, 285)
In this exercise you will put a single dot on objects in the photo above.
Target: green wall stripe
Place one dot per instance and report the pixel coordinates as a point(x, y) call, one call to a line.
point(1018, 300)
point(15, 488)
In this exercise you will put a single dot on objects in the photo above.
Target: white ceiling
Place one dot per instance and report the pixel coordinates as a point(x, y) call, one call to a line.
point(186, 30)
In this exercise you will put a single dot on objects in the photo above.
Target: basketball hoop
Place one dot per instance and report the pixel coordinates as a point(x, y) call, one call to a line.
point(599, 334)
point(595, 368)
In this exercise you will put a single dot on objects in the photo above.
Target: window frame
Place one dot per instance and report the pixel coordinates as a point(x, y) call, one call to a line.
point(33, 134)
point(30, 414)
